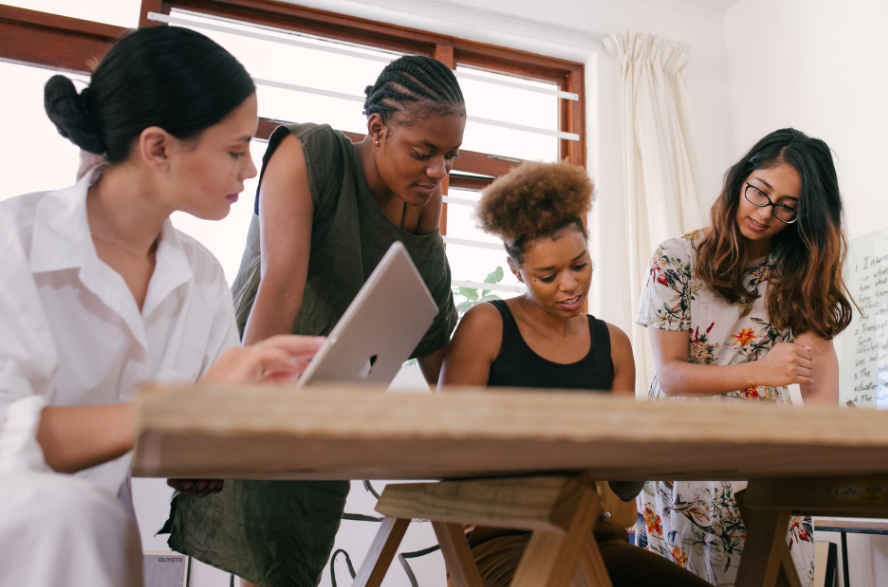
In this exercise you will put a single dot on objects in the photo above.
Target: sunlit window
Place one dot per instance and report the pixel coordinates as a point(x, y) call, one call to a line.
point(304, 78)
point(40, 158)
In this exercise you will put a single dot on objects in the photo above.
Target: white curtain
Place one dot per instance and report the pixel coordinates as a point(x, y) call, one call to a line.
point(662, 190)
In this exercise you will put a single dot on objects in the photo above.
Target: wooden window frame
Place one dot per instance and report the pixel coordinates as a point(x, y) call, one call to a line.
point(48, 40)
point(70, 44)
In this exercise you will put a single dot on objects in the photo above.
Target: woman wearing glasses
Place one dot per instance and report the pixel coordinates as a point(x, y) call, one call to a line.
point(739, 311)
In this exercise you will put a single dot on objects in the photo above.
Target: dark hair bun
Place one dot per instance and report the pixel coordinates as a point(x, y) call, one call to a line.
point(66, 109)
point(170, 77)
point(534, 200)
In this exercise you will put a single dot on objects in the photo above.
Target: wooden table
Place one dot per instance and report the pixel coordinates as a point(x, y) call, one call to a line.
point(813, 461)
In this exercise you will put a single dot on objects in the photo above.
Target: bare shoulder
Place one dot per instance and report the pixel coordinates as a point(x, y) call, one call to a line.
point(290, 146)
point(623, 361)
point(618, 338)
point(479, 332)
point(474, 348)
point(285, 169)
point(481, 317)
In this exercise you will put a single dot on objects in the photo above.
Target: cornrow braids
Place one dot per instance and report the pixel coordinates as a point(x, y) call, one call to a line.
point(410, 80)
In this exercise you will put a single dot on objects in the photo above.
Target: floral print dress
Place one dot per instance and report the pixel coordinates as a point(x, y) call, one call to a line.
point(697, 524)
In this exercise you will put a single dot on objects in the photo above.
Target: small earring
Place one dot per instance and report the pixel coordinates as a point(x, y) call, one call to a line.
point(376, 143)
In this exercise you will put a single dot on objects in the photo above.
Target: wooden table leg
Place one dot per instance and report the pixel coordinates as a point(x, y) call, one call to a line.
point(789, 576)
point(766, 561)
point(382, 551)
point(552, 558)
point(457, 555)
point(591, 571)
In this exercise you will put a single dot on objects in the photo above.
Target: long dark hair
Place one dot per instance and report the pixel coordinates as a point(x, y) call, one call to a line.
point(170, 77)
point(808, 291)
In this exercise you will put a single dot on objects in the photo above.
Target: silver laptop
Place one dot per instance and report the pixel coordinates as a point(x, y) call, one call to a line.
point(380, 328)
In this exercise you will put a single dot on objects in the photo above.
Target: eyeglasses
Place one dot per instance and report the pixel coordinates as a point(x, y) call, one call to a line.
point(782, 212)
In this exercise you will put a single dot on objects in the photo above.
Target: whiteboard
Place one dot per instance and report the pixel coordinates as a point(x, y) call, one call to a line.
point(863, 373)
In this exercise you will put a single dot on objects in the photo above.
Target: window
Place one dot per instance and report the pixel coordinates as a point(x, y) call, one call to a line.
point(30, 132)
point(123, 13)
point(312, 66)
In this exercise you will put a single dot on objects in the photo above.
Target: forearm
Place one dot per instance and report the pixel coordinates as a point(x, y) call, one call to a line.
point(274, 312)
point(680, 378)
point(74, 438)
point(430, 366)
point(825, 389)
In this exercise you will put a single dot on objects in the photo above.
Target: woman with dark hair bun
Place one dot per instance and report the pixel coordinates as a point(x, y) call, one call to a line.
point(739, 311)
point(326, 212)
point(99, 294)
point(544, 339)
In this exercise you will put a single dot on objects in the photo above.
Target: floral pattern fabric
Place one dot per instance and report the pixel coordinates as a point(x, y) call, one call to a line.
point(697, 524)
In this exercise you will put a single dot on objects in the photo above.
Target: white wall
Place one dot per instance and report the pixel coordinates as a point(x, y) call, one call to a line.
point(819, 66)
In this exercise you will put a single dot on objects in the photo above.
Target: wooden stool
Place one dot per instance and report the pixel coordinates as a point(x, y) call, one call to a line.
point(560, 511)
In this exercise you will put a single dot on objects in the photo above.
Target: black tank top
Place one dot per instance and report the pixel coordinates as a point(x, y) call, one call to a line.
point(517, 365)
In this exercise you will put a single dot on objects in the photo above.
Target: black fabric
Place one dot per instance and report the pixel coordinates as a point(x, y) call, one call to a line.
point(517, 365)
point(627, 565)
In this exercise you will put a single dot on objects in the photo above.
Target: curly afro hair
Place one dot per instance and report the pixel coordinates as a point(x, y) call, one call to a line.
point(535, 200)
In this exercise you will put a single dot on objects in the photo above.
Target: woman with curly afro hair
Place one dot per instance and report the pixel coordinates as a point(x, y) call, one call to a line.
point(544, 339)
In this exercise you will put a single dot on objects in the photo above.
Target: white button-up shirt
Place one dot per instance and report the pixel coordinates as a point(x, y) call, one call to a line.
point(71, 333)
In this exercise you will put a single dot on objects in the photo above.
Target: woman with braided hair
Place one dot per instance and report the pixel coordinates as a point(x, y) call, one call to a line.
point(326, 212)
point(544, 339)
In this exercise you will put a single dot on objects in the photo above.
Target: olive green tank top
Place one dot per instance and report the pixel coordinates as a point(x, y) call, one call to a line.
point(281, 533)
point(349, 235)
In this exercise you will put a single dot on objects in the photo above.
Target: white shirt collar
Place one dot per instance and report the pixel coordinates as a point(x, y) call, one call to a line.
point(62, 240)
point(62, 237)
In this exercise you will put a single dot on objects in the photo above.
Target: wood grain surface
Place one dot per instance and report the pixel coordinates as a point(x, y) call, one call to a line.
point(348, 432)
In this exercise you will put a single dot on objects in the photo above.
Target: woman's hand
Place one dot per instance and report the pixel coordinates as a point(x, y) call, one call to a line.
point(785, 364)
point(281, 358)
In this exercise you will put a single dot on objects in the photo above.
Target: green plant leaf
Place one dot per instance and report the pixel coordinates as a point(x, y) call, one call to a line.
point(495, 276)
point(469, 293)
